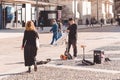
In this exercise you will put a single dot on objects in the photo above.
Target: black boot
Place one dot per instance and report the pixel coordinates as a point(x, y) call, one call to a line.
point(29, 69)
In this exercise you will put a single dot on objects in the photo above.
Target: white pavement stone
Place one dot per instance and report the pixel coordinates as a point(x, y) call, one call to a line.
point(11, 33)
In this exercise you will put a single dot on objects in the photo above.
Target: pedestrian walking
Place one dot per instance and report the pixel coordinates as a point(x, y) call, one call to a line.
point(87, 21)
point(118, 21)
point(29, 45)
point(41, 22)
point(59, 28)
point(91, 22)
point(54, 29)
point(72, 37)
point(111, 21)
point(101, 21)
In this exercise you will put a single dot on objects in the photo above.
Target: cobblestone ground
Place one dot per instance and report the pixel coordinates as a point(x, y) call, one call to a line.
point(49, 73)
point(109, 42)
point(112, 65)
point(52, 73)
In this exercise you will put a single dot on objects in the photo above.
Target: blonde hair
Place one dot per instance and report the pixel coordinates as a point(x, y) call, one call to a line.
point(30, 26)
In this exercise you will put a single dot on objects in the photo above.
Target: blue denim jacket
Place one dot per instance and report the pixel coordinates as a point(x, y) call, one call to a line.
point(54, 28)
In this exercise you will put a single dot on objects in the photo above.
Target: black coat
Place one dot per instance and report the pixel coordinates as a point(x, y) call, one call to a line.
point(30, 49)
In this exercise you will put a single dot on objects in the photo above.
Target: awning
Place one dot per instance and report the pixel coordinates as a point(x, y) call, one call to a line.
point(29, 1)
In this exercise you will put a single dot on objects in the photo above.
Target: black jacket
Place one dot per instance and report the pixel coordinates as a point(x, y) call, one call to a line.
point(30, 38)
point(73, 31)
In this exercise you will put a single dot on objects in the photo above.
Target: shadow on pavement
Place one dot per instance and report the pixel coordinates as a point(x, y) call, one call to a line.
point(9, 74)
point(14, 63)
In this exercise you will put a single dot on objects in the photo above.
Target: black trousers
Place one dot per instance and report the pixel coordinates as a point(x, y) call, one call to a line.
point(73, 42)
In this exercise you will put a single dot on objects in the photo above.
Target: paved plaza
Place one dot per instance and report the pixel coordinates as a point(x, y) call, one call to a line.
point(105, 38)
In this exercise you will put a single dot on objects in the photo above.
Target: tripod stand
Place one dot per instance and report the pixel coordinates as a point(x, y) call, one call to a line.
point(85, 62)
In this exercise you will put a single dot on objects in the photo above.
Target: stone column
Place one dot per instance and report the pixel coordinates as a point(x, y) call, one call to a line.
point(100, 15)
point(80, 20)
point(80, 8)
point(94, 9)
point(26, 13)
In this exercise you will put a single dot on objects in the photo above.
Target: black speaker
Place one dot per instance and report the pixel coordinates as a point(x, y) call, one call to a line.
point(97, 56)
point(59, 7)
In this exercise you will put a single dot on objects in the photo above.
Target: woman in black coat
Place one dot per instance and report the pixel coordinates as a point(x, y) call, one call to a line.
point(29, 45)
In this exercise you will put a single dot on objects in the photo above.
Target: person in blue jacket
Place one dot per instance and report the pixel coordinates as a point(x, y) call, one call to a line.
point(54, 29)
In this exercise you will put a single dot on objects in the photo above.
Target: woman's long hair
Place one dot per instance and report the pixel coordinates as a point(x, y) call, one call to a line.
point(30, 26)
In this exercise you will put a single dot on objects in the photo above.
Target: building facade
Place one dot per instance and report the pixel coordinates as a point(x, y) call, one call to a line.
point(117, 8)
point(82, 9)
point(15, 13)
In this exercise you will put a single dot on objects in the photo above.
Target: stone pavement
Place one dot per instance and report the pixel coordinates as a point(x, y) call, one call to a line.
point(106, 38)
point(53, 73)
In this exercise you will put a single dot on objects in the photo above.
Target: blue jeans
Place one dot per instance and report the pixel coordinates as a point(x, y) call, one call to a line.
point(54, 38)
point(59, 34)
